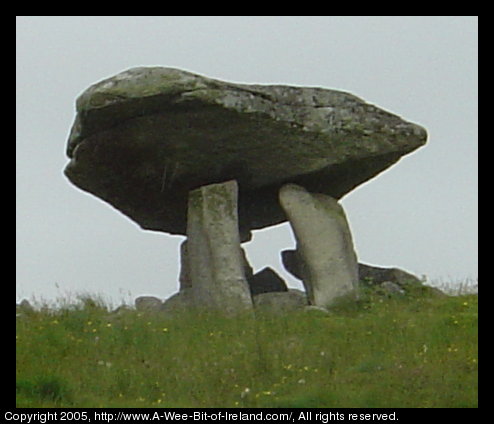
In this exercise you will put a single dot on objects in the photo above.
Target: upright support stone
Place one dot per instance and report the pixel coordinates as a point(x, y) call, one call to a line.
point(328, 267)
point(215, 260)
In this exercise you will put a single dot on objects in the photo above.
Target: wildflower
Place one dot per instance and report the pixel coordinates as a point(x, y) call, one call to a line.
point(245, 392)
point(301, 381)
point(165, 330)
point(108, 324)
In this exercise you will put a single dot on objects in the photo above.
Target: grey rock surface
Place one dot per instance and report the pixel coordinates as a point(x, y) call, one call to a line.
point(215, 259)
point(373, 275)
point(184, 276)
point(144, 138)
point(392, 288)
point(148, 304)
point(329, 266)
point(388, 281)
point(265, 281)
point(276, 302)
point(393, 280)
point(179, 302)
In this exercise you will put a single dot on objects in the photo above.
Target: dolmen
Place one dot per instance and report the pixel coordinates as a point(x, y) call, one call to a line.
point(212, 160)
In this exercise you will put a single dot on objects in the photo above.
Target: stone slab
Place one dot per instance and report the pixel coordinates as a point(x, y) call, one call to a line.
point(329, 266)
point(215, 259)
point(144, 138)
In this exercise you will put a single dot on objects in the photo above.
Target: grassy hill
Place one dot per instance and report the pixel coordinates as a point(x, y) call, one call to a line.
point(418, 351)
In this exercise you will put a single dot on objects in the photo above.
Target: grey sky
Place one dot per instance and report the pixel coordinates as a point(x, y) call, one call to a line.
point(420, 215)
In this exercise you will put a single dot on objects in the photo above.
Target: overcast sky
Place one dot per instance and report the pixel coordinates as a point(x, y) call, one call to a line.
point(420, 215)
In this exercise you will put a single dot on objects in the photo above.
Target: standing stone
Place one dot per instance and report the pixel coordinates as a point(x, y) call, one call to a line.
point(215, 259)
point(184, 276)
point(324, 244)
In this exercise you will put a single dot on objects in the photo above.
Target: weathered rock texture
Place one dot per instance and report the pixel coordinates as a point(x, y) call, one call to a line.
point(329, 267)
point(215, 259)
point(373, 275)
point(387, 281)
point(178, 303)
point(184, 276)
point(144, 138)
point(285, 301)
point(394, 281)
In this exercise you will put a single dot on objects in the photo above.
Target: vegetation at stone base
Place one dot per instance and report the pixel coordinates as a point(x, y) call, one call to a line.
point(381, 352)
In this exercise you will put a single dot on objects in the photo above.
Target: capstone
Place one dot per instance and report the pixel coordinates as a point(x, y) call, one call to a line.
point(144, 138)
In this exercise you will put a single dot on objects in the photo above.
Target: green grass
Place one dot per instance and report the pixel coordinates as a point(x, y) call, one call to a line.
point(381, 352)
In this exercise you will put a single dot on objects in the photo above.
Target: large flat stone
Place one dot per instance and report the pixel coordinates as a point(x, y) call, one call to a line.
point(144, 138)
